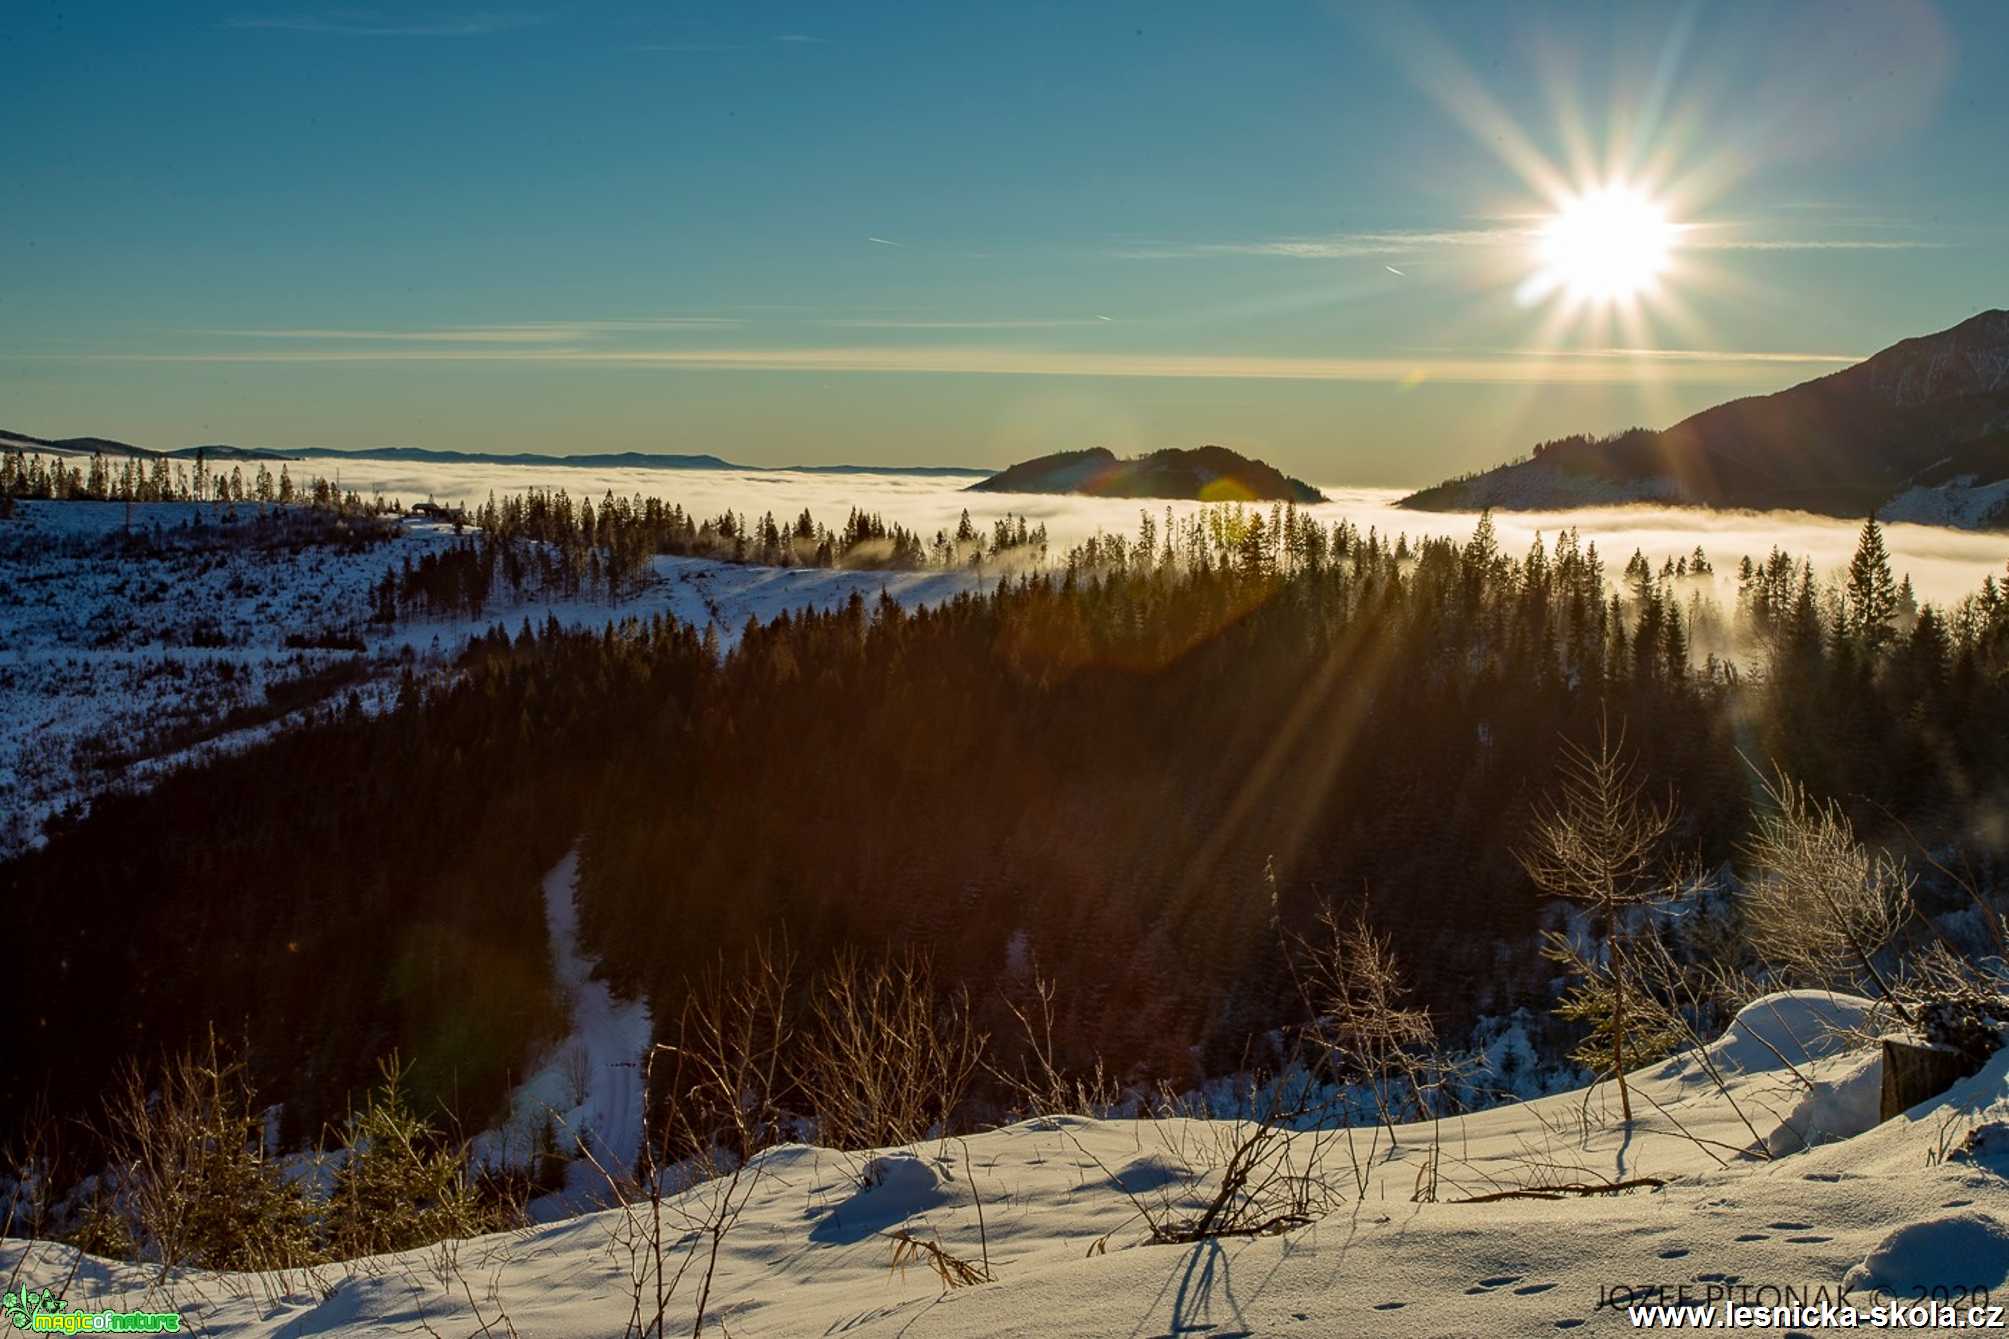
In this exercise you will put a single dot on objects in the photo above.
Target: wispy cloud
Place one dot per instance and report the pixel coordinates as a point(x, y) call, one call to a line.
point(885, 241)
point(803, 39)
point(1521, 233)
point(1578, 367)
point(371, 23)
point(1706, 243)
point(527, 332)
point(1337, 246)
point(897, 323)
point(690, 48)
point(1693, 355)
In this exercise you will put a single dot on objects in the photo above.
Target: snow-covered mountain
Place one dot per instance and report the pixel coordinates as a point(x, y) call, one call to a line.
point(1920, 432)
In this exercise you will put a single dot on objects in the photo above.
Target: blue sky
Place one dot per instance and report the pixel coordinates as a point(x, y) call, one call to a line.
point(907, 233)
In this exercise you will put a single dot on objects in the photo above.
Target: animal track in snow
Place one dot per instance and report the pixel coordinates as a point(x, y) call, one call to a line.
point(1488, 1285)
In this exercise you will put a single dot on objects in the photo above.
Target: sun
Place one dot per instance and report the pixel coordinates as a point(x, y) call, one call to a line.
point(1606, 245)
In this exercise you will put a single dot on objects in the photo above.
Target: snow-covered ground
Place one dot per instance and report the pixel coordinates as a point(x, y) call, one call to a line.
point(1058, 1207)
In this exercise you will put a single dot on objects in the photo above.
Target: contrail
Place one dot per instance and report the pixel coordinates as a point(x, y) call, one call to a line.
point(1392, 270)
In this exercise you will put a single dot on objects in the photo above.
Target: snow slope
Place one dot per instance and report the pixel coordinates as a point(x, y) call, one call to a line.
point(1964, 502)
point(1059, 1198)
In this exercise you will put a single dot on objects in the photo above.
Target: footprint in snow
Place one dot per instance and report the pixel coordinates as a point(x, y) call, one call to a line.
point(1568, 1324)
point(1389, 1306)
point(1674, 1254)
point(1487, 1285)
point(1789, 1227)
point(1531, 1289)
point(1754, 1236)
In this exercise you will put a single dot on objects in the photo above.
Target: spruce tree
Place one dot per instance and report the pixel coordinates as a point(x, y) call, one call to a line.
point(1872, 594)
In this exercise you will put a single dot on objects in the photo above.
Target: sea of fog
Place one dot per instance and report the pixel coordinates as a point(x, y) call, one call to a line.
point(1943, 564)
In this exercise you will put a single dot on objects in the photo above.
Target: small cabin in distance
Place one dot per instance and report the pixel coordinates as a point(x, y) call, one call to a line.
point(434, 511)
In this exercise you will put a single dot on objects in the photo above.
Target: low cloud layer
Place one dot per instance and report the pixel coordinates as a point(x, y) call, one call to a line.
point(1943, 564)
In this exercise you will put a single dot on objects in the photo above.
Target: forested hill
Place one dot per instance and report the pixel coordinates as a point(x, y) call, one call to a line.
point(1124, 775)
point(1920, 431)
point(1204, 474)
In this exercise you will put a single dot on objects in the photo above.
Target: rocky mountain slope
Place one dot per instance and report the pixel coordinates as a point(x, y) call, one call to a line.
point(1918, 432)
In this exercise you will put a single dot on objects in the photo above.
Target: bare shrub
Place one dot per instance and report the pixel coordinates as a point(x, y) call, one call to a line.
point(1954, 1003)
point(194, 1172)
point(720, 1108)
point(887, 1058)
point(1039, 1087)
point(1351, 985)
point(1276, 1167)
point(733, 1038)
point(1819, 904)
point(28, 1169)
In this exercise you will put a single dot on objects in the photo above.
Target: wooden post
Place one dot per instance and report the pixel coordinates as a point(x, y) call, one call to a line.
point(1914, 1072)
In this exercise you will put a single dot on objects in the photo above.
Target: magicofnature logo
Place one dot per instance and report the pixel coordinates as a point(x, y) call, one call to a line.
point(43, 1310)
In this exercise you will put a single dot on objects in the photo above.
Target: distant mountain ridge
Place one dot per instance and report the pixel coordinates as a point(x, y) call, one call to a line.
point(105, 446)
point(1917, 432)
point(616, 460)
point(1202, 474)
